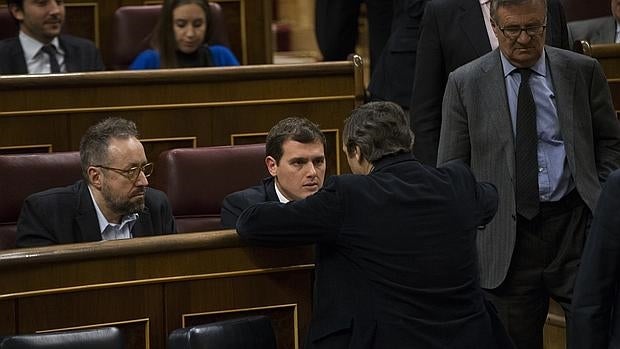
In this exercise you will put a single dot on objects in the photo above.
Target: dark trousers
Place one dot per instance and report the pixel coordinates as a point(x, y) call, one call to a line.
point(336, 27)
point(544, 265)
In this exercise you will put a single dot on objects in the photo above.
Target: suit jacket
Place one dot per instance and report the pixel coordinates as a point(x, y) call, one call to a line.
point(80, 55)
point(235, 203)
point(600, 30)
point(476, 127)
point(596, 300)
point(395, 257)
point(67, 215)
point(392, 77)
point(453, 33)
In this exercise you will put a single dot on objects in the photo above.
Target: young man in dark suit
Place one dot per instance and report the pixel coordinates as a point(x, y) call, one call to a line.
point(396, 253)
point(111, 202)
point(40, 48)
point(295, 159)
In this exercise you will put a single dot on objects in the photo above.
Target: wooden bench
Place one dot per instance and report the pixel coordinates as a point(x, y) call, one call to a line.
point(607, 54)
point(148, 287)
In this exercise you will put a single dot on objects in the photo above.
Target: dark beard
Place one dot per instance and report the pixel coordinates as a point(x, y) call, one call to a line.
point(122, 207)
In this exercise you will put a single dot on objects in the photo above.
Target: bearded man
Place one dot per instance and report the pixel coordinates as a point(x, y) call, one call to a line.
point(111, 202)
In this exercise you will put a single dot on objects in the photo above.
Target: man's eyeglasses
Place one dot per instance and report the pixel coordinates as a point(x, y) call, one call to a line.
point(132, 173)
point(513, 33)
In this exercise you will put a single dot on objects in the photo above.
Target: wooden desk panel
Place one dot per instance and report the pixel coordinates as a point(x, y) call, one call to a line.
point(151, 286)
point(210, 104)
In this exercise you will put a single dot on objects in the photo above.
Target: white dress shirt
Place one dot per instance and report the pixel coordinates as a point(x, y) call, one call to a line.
point(486, 13)
point(37, 61)
point(114, 231)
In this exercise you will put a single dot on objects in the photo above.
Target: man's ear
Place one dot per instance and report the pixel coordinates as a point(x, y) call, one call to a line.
point(95, 177)
point(358, 154)
point(16, 12)
point(272, 165)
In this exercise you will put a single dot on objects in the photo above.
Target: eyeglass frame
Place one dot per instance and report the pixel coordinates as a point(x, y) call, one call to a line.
point(541, 27)
point(125, 174)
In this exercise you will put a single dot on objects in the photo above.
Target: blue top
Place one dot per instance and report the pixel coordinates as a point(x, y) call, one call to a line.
point(149, 59)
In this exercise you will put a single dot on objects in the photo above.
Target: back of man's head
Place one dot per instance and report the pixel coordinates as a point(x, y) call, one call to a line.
point(297, 129)
point(94, 143)
point(378, 129)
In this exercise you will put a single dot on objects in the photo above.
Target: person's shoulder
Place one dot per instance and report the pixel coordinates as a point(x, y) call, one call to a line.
point(439, 6)
point(568, 58)
point(75, 41)
point(222, 56)
point(9, 43)
point(147, 59)
point(591, 22)
point(155, 196)
point(252, 195)
point(57, 196)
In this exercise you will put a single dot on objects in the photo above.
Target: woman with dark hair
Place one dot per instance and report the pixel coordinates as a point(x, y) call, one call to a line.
point(179, 39)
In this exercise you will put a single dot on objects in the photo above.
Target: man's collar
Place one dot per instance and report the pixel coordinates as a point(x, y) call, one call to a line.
point(540, 67)
point(32, 46)
point(281, 196)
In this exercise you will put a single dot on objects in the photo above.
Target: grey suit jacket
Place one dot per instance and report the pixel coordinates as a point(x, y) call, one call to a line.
point(476, 126)
point(600, 30)
point(81, 55)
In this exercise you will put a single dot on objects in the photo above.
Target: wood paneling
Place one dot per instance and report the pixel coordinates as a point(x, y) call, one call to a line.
point(150, 286)
point(607, 54)
point(210, 104)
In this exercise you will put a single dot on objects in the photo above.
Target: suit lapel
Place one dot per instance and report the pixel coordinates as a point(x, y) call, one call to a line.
point(18, 62)
point(144, 224)
point(564, 84)
point(494, 95)
point(70, 55)
point(607, 32)
point(86, 218)
point(472, 24)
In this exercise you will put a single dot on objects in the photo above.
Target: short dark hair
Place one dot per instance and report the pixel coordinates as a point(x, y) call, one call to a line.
point(18, 3)
point(496, 4)
point(378, 129)
point(94, 143)
point(163, 36)
point(292, 128)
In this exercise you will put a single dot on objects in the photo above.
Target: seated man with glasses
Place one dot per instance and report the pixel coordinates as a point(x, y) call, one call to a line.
point(539, 123)
point(111, 202)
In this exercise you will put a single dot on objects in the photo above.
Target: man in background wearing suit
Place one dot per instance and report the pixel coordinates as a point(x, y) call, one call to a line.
point(40, 48)
point(295, 158)
point(596, 303)
point(602, 30)
point(392, 77)
point(111, 202)
point(537, 122)
point(395, 255)
point(455, 32)
point(336, 27)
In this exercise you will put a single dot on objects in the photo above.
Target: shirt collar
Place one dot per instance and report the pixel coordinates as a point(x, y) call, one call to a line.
point(539, 67)
point(103, 222)
point(484, 2)
point(281, 196)
point(32, 46)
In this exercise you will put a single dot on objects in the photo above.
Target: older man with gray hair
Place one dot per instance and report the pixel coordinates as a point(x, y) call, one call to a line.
point(538, 123)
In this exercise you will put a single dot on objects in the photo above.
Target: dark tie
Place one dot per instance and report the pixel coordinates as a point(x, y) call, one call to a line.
point(526, 150)
point(50, 51)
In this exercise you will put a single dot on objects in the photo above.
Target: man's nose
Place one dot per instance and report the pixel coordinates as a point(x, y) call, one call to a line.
point(141, 181)
point(54, 7)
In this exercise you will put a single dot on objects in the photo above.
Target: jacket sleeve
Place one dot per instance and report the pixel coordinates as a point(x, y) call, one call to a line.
point(316, 218)
point(595, 291)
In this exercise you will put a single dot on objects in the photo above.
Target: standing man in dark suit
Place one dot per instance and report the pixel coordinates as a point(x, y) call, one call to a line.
point(537, 122)
point(295, 158)
point(392, 77)
point(602, 30)
point(596, 303)
point(40, 48)
point(455, 32)
point(336, 27)
point(111, 202)
point(396, 256)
